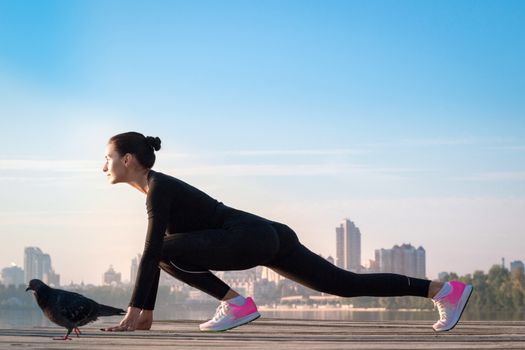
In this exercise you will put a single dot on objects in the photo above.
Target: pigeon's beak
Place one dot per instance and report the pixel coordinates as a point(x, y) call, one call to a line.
point(28, 288)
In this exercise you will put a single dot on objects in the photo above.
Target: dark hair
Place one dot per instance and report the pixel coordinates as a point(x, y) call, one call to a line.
point(140, 146)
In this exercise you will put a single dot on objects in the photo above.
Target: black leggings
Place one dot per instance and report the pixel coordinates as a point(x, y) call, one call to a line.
point(246, 240)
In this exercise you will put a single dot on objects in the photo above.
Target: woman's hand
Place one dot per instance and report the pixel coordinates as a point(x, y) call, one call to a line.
point(128, 323)
point(145, 320)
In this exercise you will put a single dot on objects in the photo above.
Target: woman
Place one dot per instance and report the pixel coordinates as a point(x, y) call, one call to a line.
point(189, 233)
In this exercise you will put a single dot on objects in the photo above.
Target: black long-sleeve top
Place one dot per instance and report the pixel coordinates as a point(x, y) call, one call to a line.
point(173, 206)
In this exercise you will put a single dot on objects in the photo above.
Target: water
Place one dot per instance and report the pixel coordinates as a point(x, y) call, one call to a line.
point(351, 315)
point(23, 318)
point(204, 312)
point(386, 315)
point(13, 318)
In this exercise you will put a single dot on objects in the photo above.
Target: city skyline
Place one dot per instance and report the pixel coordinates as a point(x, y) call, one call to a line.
point(386, 260)
point(406, 116)
point(392, 260)
point(37, 264)
point(402, 259)
point(348, 246)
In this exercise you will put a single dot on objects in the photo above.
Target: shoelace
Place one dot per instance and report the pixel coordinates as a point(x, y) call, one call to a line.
point(442, 307)
point(221, 311)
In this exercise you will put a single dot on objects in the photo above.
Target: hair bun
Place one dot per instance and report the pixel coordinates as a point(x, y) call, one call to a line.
point(154, 142)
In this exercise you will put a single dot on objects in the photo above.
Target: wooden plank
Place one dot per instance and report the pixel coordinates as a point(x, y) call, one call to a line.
point(281, 334)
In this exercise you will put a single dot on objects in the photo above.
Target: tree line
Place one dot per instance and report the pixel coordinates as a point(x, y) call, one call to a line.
point(499, 290)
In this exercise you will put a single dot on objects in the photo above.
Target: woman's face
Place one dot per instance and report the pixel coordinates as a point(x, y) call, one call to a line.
point(114, 167)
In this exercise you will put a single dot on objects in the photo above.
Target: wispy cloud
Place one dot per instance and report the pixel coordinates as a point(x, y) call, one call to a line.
point(51, 165)
point(438, 141)
point(519, 148)
point(278, 153)
point(289, 170)
point(497, 176)
point(20, 169)
point(49, 172)
point(307, 152)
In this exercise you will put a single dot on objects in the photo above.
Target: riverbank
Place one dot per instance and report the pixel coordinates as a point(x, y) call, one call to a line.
point(306, 307)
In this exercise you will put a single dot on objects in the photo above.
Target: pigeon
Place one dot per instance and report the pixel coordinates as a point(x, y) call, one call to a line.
point(68, 309)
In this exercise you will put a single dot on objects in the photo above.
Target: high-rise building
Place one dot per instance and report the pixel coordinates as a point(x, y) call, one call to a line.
point(134, 268)
point(12, 275)
point(404, 260)
point(51, 278)
point(339, 247)
point(38, 265)
point(383, 260)
point(517, 264)
point(111, 277)
point(421, 262)
point(45, 261)
point(348, 246)
point(32, 265)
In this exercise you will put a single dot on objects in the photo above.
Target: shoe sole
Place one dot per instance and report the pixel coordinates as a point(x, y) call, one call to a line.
point(241, 322)
point(464, 301)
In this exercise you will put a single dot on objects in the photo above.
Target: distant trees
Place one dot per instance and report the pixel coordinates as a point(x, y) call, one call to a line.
point(118, 296)
point(500, 290)
point(15, 297)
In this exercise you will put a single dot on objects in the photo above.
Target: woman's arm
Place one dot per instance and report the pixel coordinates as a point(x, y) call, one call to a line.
point(145, 320)
point(158, 205)
point(128, 323)
point(135, 319)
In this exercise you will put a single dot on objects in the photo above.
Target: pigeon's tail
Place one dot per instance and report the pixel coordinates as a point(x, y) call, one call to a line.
point(105, 310)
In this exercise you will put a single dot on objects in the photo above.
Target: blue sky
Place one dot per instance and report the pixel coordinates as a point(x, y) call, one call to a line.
point(405, 116)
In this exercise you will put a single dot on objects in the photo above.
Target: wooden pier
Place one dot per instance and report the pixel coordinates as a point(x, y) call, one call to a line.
point(280, 334)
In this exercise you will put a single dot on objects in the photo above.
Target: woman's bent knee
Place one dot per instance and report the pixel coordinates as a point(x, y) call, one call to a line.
point(288, 240)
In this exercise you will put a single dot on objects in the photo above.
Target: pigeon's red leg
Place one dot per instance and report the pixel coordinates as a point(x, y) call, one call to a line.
point(65, 337)
point(77, 331)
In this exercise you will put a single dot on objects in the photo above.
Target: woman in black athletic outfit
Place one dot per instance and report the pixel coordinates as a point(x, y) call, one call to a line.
point(190, 233)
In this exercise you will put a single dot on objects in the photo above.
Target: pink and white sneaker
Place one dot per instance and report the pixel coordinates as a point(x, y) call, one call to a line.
point(450, 302)
point(229, 316)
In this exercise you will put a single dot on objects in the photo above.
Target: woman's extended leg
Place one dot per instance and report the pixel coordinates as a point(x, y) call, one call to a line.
point(300, 264)
point(313, 271)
